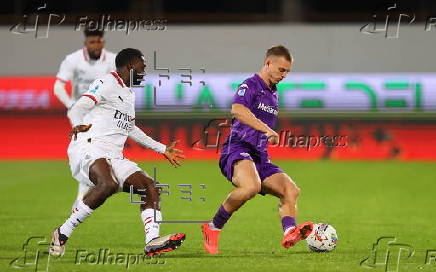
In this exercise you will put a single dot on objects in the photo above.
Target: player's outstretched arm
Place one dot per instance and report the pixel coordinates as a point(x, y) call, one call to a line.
point(170, 152)
point(245, 116)
point(76, 114)
point(61, 93)
point(65, 73)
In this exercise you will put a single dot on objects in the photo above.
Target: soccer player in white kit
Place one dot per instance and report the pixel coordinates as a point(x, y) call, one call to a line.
point(102, 120)
point(82, 67)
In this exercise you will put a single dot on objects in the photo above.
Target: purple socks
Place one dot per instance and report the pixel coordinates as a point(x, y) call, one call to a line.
point(220, 217)
point(287, 222)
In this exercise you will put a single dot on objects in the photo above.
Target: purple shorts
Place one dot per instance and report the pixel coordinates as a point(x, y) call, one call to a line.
point(243, 151)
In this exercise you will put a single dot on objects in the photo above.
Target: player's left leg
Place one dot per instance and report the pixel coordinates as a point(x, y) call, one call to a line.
point(102, 175)
point(247, 184)
point(145, 187)
point(283, 187)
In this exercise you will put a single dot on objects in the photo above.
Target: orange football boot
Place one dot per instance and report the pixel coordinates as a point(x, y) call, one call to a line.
point(300, 232)
point(210, 238)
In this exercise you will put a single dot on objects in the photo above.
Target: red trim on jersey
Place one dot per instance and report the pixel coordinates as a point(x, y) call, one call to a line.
point(92, 97)
point(120, 81)
point(85, 53)
point(61, 80)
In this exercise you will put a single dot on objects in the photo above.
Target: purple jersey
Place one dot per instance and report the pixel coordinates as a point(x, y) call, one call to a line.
point(262, 101)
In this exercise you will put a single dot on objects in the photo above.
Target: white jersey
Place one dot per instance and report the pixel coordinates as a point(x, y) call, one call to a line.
point(113, 116)
point(82, 70)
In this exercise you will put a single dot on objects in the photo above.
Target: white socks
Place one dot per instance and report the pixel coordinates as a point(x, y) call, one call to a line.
point(83, 189)
point(212, 226)
point(80, 213)
point(150, 226)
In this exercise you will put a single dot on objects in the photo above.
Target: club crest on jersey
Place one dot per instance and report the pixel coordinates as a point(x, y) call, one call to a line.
point(242, 89)
point(267, 108)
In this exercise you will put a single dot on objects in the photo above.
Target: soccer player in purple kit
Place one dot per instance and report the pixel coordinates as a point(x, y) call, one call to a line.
point(244, 159)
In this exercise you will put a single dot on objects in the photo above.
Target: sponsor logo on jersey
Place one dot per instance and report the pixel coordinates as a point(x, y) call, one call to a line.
point(267, 108)
point(125, 121)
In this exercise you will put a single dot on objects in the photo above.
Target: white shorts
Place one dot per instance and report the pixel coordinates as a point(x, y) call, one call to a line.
point(82, 155)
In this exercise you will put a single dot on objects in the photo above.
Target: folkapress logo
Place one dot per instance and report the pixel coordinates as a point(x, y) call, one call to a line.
point(41, 19)
point(35, 255)
point(390, 256)
point(105, 257)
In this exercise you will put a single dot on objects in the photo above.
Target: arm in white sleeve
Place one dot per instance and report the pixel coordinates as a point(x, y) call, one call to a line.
point(144, 140)
point(61, 93)
point(79, 110)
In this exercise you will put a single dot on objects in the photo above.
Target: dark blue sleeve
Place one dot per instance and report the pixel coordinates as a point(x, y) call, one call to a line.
point(244, 95)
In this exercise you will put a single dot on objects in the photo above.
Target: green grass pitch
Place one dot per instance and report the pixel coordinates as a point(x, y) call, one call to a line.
point(362, 200)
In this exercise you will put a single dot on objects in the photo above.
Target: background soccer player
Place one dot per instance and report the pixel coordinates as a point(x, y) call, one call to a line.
point(102, 120)
point(82, 67)
point(244, 159)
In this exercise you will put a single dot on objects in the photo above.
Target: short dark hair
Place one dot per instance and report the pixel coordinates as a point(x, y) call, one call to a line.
point(279, 51)
point(126, 56)
point(93, 32)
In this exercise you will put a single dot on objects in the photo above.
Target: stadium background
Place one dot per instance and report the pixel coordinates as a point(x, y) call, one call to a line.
point(377, 91)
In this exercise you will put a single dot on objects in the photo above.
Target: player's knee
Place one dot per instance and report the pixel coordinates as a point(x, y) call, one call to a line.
point(297, 191)
point(293, 191)
point(252, 190)
point(290, 190)
point(108, 187)
point(157, 190)
point(150, 185)
point(153, 189)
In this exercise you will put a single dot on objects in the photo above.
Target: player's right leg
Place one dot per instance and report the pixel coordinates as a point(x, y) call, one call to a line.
point(101, 174)
point(247, 184)
point(145, 187)
point(81, 192)
point(279, 184)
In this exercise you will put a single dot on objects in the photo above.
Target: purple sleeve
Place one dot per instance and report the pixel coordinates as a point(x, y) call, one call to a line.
point(244, 95)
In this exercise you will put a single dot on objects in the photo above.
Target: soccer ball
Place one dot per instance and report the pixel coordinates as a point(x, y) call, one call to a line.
point(323, 238)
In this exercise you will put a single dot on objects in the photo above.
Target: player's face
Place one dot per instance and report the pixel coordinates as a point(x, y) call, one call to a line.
point(278, 68)
point(95, 45)
point(138, 68)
